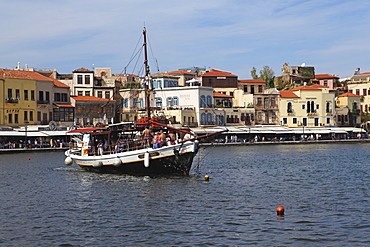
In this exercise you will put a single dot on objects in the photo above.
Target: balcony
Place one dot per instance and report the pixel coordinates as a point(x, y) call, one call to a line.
point(43, 102)
point(11, 101)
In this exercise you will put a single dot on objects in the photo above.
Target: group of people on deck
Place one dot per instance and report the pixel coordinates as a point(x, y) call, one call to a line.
point(158, 139)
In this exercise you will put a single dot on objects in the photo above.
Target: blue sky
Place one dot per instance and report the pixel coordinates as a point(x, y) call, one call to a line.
point(230, 35)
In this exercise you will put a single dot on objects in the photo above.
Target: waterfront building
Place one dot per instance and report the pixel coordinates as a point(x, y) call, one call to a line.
point(191, 106)
point(348, 110)
point(266, 106)
point(359, 84)
point(93, 111)
point(18, 103)
point(310, 106)
point(331, 81)
point(183, 76)
point(164, 80)
point(219, 80)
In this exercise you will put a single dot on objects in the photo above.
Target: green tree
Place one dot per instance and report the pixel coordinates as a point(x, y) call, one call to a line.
point(266, 74)
point(254, 73)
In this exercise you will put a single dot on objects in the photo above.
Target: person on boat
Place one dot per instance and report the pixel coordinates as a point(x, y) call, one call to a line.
point(172, 137)
point(162, 139)
point(146, 134)
point(100, 148)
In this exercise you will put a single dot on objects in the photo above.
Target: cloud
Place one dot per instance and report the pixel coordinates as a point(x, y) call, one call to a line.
point(236, 35)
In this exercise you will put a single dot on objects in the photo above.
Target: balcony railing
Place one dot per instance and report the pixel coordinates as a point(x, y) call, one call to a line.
point(43, 102)
point(12, 100)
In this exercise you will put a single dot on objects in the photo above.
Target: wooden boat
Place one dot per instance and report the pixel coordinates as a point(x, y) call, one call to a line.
point(133, 154)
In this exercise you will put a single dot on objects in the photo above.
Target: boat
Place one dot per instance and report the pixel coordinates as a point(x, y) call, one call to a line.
point(132, 153)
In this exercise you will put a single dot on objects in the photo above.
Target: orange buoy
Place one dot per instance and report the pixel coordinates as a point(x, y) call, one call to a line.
point(280, 210)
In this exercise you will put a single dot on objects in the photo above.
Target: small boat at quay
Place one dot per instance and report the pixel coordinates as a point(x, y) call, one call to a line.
point(128, 148)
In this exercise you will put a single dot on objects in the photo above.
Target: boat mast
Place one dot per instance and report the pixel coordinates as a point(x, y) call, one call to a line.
point(147, 78)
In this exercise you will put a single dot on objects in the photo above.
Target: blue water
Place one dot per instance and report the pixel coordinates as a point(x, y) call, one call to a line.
point(323, 188)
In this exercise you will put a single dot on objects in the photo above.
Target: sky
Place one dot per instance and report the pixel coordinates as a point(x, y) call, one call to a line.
point(228, 35)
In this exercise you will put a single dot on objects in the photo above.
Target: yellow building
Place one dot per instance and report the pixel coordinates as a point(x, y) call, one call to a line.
point(311, 106)
point(17, 98)
point(348, 110)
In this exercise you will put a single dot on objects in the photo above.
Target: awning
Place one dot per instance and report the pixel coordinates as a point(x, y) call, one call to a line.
point(84, 130)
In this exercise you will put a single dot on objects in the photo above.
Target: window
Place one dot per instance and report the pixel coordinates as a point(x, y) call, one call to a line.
point(87, 109)
point(79, 93)
point(173, 101)
point(31, 115)
point(135, 102)
point(364, 91)
point(41, 96)
point(107, 94)
point(25, 116)
point(79, 79)
point(57, 97)
point(311, 107)
point(357, 91)
point(355, 107)
point(266, 102)
point(100, 94)
point(10, 118)
point(273, 102)
point(87, 79)
point(325, 83)
point(259, 101)
point(79, 109)
point(87, 93)
point(17, 94)
point(260, 89)
point(328, 107)
point(209, 101)
point(252, 89)
point(25, 96)
point(125, 102)
point(202, 101)
point(245, 87)
point(47, 96)
point(294, 120)
point(16, 118)
point(158, 102)
point(33, 95)
point(10, 93)
point(285, 120)
point(290, 107)
point(328, 120)
point(64, 97)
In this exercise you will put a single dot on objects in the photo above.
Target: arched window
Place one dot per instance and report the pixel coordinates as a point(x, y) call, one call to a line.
point(203, 119)
point(202, 101)
point(209, 101)
point(290, 107)
point(209, 118)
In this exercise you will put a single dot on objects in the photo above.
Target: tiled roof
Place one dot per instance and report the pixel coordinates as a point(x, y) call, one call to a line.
point(305, 88)
point(348, 94)
point(82, 70)
point(323, 76)
point(181, 72)
point(58, 83)
point(215, 72)
point(288, 94)
point(89, 98)
point(64, 105)
point(318, 85)
point(221, 95)
point(163, 75)
point(252, 80)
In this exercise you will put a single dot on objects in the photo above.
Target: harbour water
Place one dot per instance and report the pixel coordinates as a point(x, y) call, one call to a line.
point(324, 189)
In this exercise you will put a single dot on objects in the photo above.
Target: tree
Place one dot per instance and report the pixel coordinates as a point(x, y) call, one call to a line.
point(266, 74)
point(254, 73)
